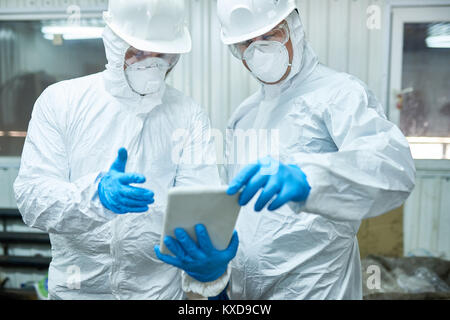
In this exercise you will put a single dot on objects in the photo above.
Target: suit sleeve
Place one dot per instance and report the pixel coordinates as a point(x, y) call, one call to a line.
point(371, 173)
point(45, 196)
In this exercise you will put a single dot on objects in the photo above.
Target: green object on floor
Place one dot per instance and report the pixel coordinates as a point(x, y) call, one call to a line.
point(42, 288)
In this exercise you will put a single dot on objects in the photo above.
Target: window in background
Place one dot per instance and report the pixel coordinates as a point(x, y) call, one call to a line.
point(425, 103)
point(34, 55)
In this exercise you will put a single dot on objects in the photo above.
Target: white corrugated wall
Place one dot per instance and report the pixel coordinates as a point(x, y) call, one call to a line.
point(427, 211)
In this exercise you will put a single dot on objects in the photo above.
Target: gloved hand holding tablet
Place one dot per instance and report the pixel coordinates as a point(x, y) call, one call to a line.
point(199, 230)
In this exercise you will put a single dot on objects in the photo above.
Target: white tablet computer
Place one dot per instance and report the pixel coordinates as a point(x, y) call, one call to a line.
point(210, 206)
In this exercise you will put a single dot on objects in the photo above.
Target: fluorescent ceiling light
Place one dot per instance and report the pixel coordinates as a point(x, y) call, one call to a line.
point(438, 41)
point(429, 147)
point(438, 35)
point(427, 151)
point(72, 32)
point(422, 140)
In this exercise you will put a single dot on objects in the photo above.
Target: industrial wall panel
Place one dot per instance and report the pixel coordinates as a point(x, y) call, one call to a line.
point(443, 242)
point(318, 28)
point(338, 30)
point(7, 177)
point(427, 216)
point(5, 189)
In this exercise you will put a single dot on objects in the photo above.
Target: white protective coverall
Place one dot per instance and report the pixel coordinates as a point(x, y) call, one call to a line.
point(76, 130)
point(358, 165)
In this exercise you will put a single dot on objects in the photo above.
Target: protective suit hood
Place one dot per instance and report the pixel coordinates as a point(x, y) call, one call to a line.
point(304, 60)
point(114, 75)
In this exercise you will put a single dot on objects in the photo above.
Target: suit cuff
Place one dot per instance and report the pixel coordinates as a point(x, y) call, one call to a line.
point(205, 289)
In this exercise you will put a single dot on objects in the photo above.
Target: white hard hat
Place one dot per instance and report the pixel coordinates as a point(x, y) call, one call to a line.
point(242, 20)
point(150, 25)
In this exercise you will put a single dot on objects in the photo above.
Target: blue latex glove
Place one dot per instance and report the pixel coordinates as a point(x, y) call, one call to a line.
point(115, 192)
point(286, 182)
point(199, 260)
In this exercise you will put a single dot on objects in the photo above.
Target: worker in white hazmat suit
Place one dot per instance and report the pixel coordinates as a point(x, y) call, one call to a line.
point(337, 162)
point(104, 217)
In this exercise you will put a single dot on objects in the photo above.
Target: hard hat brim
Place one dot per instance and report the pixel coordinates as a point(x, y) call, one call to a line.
point(233, 40)
point(177, 46)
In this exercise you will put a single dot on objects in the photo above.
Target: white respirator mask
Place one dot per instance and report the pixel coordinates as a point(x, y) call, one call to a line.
point(147, 76)
point(267, 60)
